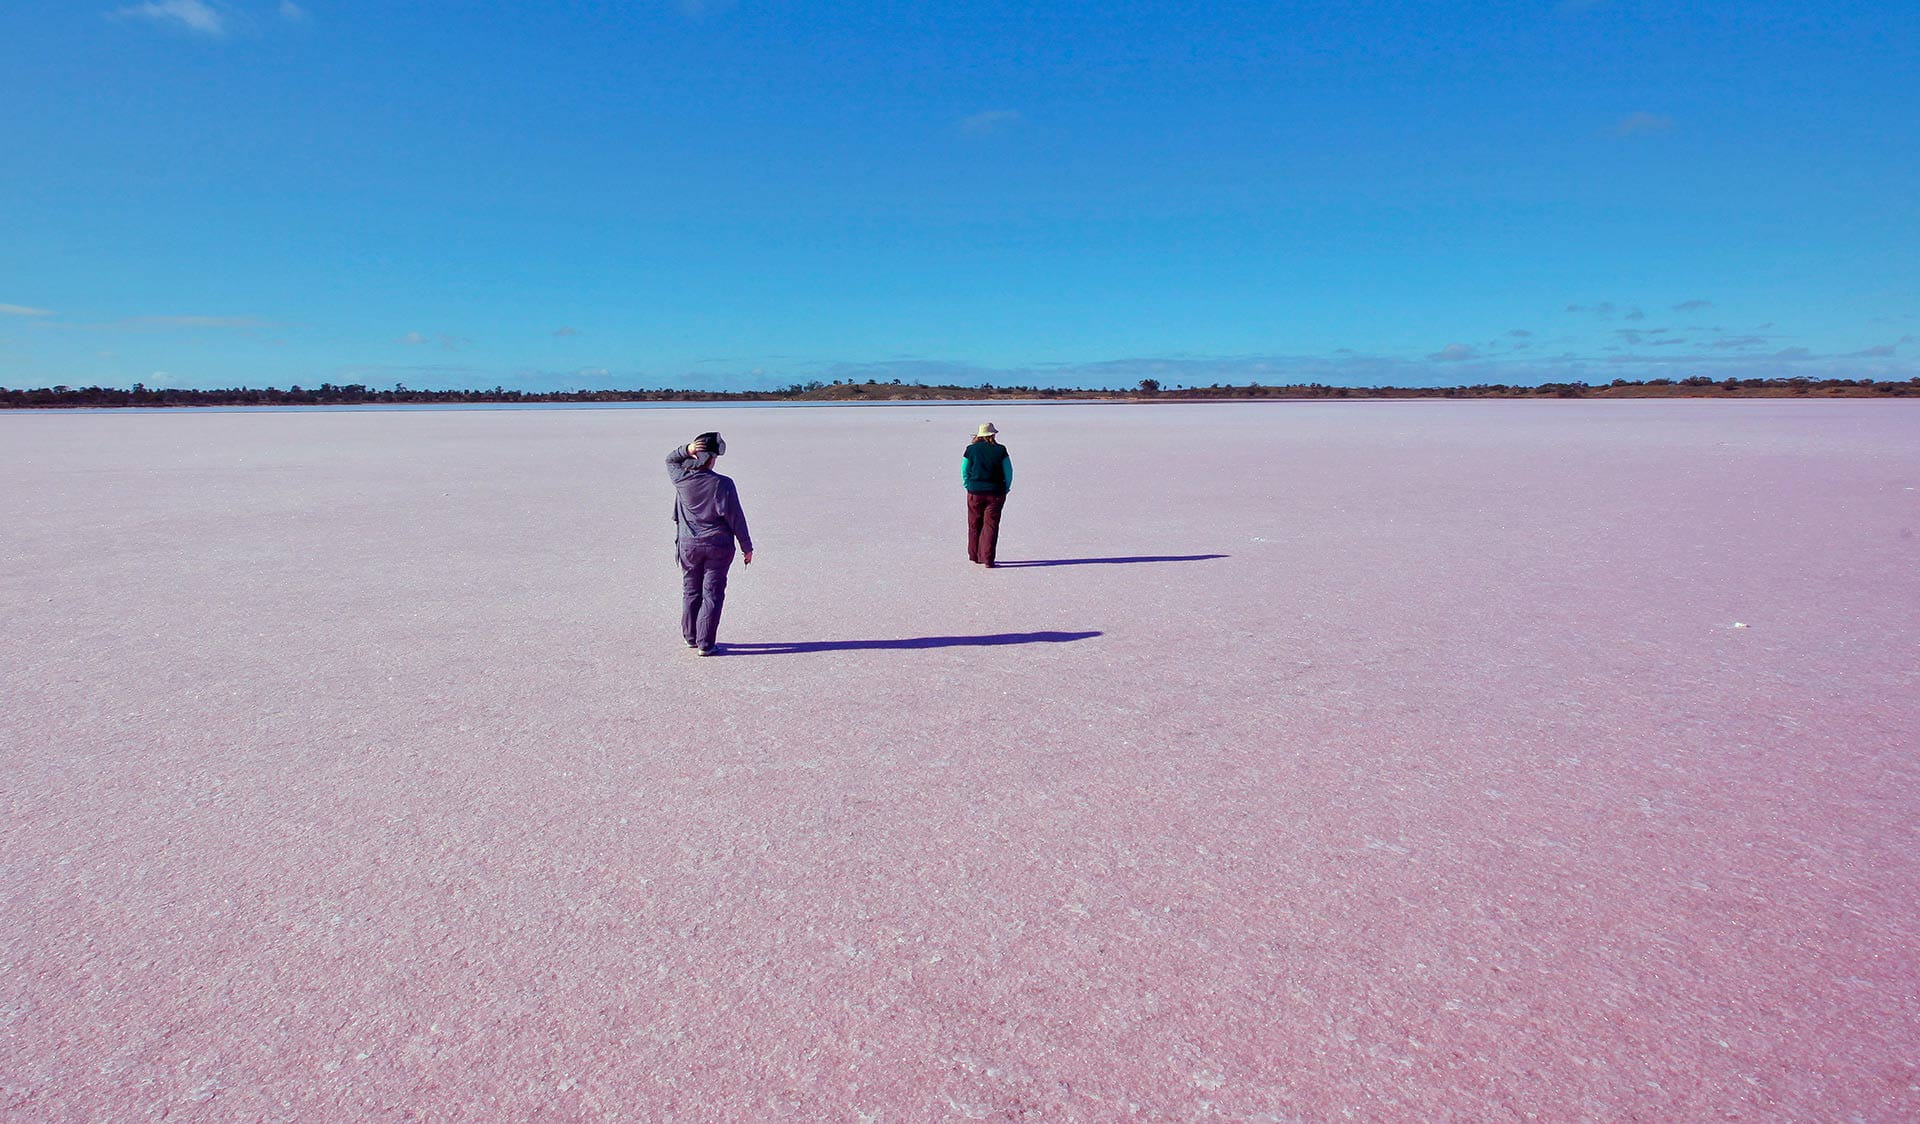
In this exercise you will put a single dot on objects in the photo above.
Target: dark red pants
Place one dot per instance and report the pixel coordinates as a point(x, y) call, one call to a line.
point(983, 525)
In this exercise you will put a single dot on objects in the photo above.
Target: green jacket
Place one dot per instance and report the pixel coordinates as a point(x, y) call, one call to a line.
point(986, 467)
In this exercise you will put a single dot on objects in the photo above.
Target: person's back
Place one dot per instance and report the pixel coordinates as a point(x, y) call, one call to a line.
point(707, 506)
point(986, 467)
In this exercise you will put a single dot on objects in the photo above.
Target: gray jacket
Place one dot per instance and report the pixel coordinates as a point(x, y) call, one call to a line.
point(706, 505)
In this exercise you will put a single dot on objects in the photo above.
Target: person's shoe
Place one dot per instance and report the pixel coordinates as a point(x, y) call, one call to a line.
point(710, 651)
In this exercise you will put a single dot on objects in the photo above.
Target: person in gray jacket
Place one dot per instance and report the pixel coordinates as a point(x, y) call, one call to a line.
point(706, 512)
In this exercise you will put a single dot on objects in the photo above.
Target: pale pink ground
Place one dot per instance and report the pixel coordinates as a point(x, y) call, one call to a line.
point(354, 770)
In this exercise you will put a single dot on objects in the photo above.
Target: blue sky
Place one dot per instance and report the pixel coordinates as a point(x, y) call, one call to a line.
point(624, 193)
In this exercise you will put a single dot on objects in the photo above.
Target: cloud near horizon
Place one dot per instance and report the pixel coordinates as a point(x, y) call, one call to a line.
point(176, 323)
point(1642, 123)
point(696, 9)
point(1343, 368)
point(446, 342)
point(23, 310)
point(194, 322)
point(991, 121)
point(194, 15)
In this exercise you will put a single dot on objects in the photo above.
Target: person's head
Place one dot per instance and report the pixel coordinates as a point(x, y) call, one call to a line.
point(711, 445)
point(985, 432)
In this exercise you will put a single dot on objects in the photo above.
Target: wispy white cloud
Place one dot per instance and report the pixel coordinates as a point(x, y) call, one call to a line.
point(1454, 353)
point(194, 15)
point(564, 332)
point(1880, 351)
point(176, 323)
point(292, 12)
point(1693, 306)
point(23, 310)
point(1635, 124)
point(192, 322)
point(990, 121)
point(446, 342)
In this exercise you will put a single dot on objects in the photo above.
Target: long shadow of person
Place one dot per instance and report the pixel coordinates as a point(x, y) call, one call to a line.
point(1128, 560)
point(988, 641)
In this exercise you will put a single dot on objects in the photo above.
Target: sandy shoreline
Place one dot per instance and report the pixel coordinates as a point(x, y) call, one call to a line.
point(1403, 764)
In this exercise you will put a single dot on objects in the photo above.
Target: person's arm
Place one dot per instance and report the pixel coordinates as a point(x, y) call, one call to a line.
point(738, 519)
point(1006, 469)
point(679, 463)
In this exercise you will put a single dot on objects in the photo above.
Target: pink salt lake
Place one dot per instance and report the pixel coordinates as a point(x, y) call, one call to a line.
point(1373, 761)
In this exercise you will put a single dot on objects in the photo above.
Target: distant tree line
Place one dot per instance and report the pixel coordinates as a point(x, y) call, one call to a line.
point(357, 394)
point(331, 394)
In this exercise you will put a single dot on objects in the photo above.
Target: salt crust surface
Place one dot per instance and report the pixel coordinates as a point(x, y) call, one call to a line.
point(354, 768)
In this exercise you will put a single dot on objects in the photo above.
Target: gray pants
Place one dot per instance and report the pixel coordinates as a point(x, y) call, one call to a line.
point(703, 587)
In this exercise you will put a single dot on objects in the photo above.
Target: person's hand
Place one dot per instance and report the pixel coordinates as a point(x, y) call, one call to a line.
point(746, 558)
point(696, 448)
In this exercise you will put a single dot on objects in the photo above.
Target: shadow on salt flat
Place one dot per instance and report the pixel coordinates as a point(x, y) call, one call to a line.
point(1110, 561)
point(991, 640)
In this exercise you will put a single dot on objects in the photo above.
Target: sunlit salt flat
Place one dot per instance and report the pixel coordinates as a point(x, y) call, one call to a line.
point(1382, 761)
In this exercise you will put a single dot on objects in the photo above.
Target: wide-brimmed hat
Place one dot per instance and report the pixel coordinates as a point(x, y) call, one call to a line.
point(986, 430)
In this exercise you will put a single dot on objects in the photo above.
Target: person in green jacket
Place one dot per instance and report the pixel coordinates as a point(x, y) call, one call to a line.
point(986, 471)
